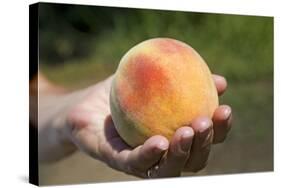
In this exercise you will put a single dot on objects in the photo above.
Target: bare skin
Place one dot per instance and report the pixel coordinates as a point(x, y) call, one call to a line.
point(81, 120)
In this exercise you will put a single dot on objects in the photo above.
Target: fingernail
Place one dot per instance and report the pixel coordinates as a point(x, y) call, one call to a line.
point(205, 124)
point(186, 139)
point(227, 112)
point(162, 146)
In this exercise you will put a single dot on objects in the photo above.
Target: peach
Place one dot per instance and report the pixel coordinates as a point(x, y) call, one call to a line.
point(160, 85)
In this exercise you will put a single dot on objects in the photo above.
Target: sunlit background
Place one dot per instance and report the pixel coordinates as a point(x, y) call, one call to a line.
point(81, 45)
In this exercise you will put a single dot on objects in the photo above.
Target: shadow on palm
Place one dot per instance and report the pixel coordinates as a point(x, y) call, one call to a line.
point(112, 136)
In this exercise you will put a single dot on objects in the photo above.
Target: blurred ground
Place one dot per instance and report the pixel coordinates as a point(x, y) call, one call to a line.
point(81, 45)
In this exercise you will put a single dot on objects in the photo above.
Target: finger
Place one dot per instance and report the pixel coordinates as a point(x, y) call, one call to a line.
point(173, 162)
point(221, 83)
point(143, 157)
point(201, 146)
point(222, 123)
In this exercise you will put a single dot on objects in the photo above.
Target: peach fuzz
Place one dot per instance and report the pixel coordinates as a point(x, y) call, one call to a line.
point(160, 85)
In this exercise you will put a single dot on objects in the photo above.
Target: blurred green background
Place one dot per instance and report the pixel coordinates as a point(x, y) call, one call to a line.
point(81, 45)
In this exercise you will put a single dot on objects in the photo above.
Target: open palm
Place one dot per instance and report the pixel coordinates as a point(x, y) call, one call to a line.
point(92, 131)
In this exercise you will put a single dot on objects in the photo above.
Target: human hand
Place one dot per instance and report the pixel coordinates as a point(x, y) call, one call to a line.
point(91, 129)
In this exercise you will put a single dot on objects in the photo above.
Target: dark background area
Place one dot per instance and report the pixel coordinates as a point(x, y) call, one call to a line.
point(81, 45)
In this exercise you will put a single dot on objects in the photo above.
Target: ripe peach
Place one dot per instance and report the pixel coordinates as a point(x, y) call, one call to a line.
point(160, 85)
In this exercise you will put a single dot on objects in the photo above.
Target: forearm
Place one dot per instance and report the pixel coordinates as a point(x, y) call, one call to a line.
point(54, 139)
point(45, 116)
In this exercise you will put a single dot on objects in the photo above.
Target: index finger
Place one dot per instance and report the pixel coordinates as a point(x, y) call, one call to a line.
point(144, 156)
point(221, 83)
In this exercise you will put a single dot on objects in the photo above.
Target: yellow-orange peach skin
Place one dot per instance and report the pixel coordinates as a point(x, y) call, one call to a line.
point(160, 85)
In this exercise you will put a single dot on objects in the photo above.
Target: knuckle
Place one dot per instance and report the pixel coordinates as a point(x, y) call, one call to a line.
point(199, 167)
point(135, 171)
point(219, 139)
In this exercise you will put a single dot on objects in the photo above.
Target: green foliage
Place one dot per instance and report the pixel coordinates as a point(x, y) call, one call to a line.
point(239, 47)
